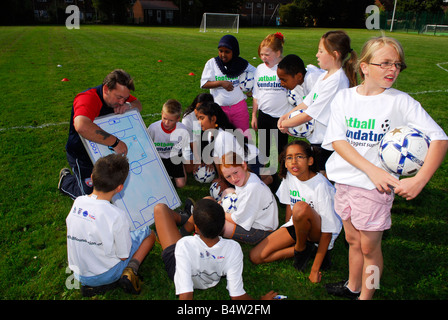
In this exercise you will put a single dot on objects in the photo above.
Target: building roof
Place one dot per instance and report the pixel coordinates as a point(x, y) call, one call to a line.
point(158, 5)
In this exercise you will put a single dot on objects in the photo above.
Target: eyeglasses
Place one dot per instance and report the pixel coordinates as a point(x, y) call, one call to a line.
point(388, 65)
point(296, 157)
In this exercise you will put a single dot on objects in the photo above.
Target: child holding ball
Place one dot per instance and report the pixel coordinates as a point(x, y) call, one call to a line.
point(256, 215)
point(336, 56)
point(310, 214)
point(296, 78)
point(221, 74)
point(365, 191)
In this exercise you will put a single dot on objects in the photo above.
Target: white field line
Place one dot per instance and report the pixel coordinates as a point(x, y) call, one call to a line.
point(150, 115)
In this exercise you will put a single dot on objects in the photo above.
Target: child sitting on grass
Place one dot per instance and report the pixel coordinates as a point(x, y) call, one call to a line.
point(102, 251)
point(199, 261)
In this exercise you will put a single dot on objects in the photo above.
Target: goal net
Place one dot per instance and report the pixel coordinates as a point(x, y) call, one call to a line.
point(220, 22)
point(435, 29)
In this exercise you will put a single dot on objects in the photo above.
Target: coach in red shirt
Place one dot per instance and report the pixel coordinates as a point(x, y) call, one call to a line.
point(113, 96)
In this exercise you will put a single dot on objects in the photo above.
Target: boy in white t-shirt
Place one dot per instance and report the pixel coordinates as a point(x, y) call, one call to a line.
point(102, 251)
point(171, 139)
point(199, 261)
point(297, 79)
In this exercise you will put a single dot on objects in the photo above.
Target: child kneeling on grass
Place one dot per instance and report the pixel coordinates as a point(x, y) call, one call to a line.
point(199, 261)
point(102, 251)
point(310, 214)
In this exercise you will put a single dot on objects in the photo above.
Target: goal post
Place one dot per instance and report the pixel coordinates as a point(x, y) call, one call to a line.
point(220, 22)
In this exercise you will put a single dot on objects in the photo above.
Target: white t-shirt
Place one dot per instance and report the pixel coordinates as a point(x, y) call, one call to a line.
point(199, 266)
point(194, 129)
point(318, 192)
point(363, 121)
point(98, 236)
point(311, 76)
point(271, 96)
point(256, 206)
point(225, 142)
point(193, 126)
point(169, 144)
point(319, 99)
point(220, 95)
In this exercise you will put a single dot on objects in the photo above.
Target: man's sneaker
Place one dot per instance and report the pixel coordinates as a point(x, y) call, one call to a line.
point(64, 172)
point(130, 282)
point(340, 289)
point(301, 257)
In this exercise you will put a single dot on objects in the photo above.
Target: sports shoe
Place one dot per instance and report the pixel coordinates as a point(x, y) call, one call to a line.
point(301, 257)
point(64, 172)
point(130, 282)
point(340, 289)
point(187, 212)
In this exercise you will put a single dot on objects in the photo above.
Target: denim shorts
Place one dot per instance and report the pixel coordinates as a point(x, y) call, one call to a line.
point(115, 272)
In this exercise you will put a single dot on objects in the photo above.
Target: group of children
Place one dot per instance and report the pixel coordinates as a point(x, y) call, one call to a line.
point(358, 198)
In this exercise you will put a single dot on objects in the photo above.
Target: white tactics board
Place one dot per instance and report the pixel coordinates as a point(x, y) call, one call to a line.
point(148, 182)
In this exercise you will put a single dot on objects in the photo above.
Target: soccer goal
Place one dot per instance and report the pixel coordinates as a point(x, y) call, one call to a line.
point(435, 29)
point(220, 22)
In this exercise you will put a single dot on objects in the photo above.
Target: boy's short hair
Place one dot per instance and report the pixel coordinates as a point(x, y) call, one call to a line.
point(109, 172)
point(292, 65)
point(209, 217)
point(172, 106)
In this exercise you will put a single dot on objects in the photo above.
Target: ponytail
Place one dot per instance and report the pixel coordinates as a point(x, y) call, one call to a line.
point(339, 41)
point(350, 68)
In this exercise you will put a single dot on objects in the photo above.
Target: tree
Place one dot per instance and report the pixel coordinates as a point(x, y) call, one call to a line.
point(413, 5)
point(326, 13)
point(114, 11)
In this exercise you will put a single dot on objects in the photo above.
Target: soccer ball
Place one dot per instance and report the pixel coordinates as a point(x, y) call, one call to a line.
point(204, 174)
point(230, 202)
point(303, 130)
point(215, 191)
point(295, 96)
point(403, 150)
point(247, 81)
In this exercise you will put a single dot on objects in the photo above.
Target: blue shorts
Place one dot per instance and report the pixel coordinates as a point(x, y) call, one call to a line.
point(115, 272)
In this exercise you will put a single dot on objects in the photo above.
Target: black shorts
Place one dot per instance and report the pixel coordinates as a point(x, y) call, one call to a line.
point(174, 170)
point(292, 232)
point(169, 260)
point(322, 156)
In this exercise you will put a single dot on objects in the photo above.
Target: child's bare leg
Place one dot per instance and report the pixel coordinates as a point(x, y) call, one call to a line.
point(277, 246)
point(373, 262)
point(144, 248)
point(306, 223)
point(355, 257)
point(166, 221)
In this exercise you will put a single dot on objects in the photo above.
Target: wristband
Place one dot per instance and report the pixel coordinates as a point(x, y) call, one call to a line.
point(114, 145)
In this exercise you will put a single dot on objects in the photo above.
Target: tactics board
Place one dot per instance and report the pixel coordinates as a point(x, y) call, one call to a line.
point(148, 182)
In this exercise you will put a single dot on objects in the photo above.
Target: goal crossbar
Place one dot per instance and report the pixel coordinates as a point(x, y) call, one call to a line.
point(220, 22)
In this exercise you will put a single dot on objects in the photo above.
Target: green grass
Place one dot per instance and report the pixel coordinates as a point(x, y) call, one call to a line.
point(34, 113)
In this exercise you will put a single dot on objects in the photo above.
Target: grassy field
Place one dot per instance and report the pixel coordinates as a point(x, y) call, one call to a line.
point(34, 112)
